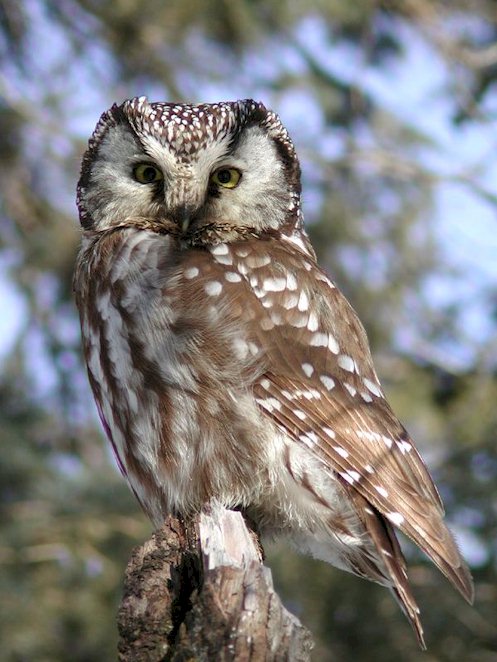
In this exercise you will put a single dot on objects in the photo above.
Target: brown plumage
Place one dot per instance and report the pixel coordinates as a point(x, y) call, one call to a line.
point(224, 362)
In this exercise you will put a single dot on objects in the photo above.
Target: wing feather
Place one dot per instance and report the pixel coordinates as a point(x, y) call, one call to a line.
point(330, 400)
point(316, 380)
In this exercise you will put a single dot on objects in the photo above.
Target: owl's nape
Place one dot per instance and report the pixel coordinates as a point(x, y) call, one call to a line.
point(224, 363)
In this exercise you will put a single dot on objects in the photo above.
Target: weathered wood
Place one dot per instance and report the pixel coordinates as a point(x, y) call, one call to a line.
point(197, 590)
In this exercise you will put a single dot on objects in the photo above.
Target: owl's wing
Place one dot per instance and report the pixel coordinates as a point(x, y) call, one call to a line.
point(320, 386)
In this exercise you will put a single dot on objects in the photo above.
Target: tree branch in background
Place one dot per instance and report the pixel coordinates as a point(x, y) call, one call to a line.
point(198, 590)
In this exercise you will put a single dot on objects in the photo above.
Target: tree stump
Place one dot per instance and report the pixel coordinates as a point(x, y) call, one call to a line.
point(197, 590)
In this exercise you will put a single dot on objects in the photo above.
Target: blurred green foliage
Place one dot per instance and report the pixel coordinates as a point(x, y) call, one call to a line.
point(67, 520)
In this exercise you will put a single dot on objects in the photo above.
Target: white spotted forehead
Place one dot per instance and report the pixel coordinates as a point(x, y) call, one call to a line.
point(187, 128)
point(211, 113)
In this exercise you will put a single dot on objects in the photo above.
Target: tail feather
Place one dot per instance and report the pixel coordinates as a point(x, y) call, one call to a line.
point(392, 569)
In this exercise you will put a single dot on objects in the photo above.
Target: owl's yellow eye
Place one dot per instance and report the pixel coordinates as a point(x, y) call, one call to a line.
point(146, 173)
point(226, 177)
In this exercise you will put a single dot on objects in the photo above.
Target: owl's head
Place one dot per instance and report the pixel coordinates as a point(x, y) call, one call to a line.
point(223, 163)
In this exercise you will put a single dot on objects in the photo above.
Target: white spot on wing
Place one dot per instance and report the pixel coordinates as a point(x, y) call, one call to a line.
point(269, 403)
point(295, 239)
point(404, 446)
point(319, 339)
point(299, 322)
point(341, 451)
point(327, 381)
point(232, 277)
point(308, 369)
point(191, 272)
point(266, 324)
point(332, 344)
point(395, 518)
point(387, 440)
point(311, 436)
point(213, 288)
point(274, 284)
point(351, 389)
point(253, 348)
point(300, 414)
point(219, 249)
point(324, 279)
point(291, 282)
point(381, 490)
point(303, 303)
point(289, 300)
point(371, 386)
point(312, 322)
point(350, 476)
point(242, 251)
point(256, 261)
point(307, 439)
point(346, 362)
point(224, 259)
point(241, 347)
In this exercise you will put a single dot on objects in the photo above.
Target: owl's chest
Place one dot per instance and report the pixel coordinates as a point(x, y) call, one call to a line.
point(169, 366)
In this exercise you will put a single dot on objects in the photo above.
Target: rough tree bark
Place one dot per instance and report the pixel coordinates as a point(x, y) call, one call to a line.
point(197, 590)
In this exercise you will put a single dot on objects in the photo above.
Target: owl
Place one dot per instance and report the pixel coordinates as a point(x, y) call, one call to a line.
point(225, 364)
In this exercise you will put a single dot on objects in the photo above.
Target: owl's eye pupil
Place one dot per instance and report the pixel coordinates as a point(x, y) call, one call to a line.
point(145, 173)
point(224, 176)
point(149, 174)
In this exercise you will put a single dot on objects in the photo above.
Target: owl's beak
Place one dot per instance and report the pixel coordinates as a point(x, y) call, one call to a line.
point(183, 215)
